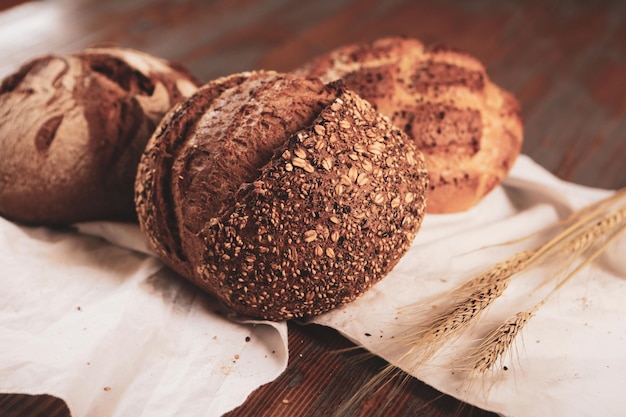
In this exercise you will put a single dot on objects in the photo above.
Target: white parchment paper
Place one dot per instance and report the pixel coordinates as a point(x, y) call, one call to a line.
point(88, 315)
point(570, 359)
point(113, 333)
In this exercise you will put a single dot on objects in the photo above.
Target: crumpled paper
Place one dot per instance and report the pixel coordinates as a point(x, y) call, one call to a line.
point(569, 360)
point(88, 315)
point(112, 332)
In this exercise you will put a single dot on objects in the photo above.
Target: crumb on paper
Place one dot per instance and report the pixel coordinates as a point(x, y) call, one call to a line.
point(107, 389)
point(248, 338)
point(285, 400)
point(79, 308)
point(236, 356)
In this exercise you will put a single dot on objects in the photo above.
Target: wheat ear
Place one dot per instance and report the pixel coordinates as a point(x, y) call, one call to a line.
point(474, 297)
point(484, 356)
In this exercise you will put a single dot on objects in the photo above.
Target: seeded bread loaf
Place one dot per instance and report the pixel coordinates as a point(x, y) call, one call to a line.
point(468, 128)
point(281, 196)
point(72, 129)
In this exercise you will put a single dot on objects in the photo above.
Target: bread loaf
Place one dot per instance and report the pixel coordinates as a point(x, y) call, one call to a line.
point(282, 197)
point(468, 128)
point(72, 129)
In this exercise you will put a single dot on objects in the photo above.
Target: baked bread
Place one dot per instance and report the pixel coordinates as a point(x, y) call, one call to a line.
point(72, 130)
point(281, 196)
point(469, 129)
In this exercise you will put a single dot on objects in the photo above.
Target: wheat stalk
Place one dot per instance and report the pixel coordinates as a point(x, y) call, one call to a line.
point(592, 224)
point(486, 354)
point(475, 296)
point(486, 288)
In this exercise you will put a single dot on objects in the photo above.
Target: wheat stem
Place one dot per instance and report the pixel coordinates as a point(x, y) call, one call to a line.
point(499, 341)
point(475, 296)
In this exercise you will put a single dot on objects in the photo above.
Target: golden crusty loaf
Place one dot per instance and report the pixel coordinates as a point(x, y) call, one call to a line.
point(281, 196)
point(468, 128)
point(72, 130)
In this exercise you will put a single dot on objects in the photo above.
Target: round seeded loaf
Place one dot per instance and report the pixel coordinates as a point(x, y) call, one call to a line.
point(469, 129)
point(72, 130)
point(281, 196)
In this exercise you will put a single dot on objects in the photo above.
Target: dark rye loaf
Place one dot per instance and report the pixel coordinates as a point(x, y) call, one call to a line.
point(468, 128)
point(281, 196)
point(72, 130)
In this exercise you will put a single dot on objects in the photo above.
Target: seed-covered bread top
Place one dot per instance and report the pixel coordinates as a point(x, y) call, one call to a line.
point(72, 129)
point(468, 128)
point(281, 196)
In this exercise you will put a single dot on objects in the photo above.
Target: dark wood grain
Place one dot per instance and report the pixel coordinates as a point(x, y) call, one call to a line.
point(564, 60)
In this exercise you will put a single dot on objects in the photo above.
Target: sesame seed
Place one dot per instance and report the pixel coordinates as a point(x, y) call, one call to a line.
point(409, 197)
point(288, 167)
point(344, 124)
point(353, 156)
point(366, 165)
point(327, 163)
point(335, 106)
point(333, 138)
point(330, 252)
point(395, 202)
point(319, 251)
point(379, 198)
point(286, 154)
point(334, 236)
point(334, 219)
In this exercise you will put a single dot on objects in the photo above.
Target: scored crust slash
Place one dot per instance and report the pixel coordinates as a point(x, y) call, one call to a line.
point(282, 196)
point(72, 130)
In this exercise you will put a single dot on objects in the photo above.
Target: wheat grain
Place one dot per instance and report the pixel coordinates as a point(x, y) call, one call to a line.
point(587, 232)
point(594, 238)
point(471, 299)
point(499, 341)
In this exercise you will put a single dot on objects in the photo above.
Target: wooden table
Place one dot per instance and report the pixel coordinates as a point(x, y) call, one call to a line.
point(565, 61)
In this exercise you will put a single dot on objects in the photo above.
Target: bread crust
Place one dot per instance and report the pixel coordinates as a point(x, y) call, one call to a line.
point(324, 216)
point(468, 128)
point(73, 128)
